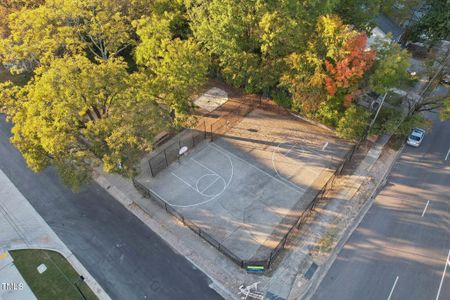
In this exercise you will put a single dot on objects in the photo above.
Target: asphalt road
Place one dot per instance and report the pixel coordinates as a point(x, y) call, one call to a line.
point(399, 250)
point(124, 256)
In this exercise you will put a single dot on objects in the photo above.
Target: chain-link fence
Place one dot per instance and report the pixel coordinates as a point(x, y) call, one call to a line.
point(171, 210)
point(219, 127)
point(306, 213)
point(265, 263)
point(170, 152)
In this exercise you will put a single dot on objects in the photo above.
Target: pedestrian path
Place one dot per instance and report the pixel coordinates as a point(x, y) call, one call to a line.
point(21, 227)
point(12, 284)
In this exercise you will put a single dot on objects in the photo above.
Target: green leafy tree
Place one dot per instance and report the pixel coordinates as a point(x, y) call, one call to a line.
point(248, 40)
point(76, 113)
point(103, 27)
point(359, 13)
point(435, 24)
point(445, 111)
point(175, 68)
point(37, 35)
point(390, 68)
point(400, 10)
point(354, 123)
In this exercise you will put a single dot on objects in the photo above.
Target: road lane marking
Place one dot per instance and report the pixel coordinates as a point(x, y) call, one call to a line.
point(393, 287)
point(447, 262)
point(448, 153)
point(425, 209)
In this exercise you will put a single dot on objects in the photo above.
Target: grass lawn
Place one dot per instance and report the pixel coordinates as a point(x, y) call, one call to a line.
point(57, 282)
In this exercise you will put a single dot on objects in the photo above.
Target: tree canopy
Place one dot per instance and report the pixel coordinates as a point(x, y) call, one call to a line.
point(77, 110)
point(333, 65)
point(435, 24)
point(106, 76)
point(105, 80)
point(390, 67)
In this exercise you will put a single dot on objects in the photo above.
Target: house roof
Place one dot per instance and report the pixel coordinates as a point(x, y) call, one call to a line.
point(385, 24)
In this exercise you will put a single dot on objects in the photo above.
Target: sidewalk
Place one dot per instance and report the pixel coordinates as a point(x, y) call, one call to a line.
point(287, 281)
point(21, 227)
point(12, 284)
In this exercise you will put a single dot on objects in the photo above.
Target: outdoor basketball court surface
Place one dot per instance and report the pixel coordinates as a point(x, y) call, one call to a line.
point(248, 187)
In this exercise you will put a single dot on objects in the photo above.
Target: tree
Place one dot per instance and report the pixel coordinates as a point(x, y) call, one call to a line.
point(435, 24)
point(428, 104)
point(401, 11)
point(354, 123)
point(345, 73)
point(390, 68)
point(333, 65)
point(175, 67)
point(37, 35)
point(103, 27)
point(445, 111)
point(76, 113)
point(359, 13)
point(249, 40)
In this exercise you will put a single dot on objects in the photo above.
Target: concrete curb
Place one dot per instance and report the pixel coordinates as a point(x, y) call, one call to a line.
point(47, 232)
point(76, 264)
point(323, 270)
point(90, 281)
point(143, 216)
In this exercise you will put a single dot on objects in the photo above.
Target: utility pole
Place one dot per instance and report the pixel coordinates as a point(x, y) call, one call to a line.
point(376, 114)
point(422, 94)
point(421, 97)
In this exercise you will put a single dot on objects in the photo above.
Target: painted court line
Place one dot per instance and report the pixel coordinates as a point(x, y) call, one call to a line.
point(425, 209)
point(325, 146)
point(202, 165)
point(220, 149)
point(209, 185)
point(186, 183)
point(278, 174)
point(448, 153)
point(393, 287)
point(208, 200)
point(447, 262)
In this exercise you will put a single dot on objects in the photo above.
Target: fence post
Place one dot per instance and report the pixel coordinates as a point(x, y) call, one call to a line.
point(165, 157)
point(204, 128)
point(150, 165)
point(212, 138)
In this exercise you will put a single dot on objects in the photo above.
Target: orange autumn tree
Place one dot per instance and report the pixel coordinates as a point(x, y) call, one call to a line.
point(333, 64)
point(324, 79)
point(345, 73)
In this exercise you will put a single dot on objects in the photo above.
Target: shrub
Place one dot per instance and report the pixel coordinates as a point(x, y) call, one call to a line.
point(354, 122)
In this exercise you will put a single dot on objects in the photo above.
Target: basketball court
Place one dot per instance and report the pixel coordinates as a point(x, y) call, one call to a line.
point(248, 187)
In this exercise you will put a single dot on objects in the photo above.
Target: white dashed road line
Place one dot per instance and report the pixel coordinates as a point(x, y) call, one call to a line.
point(447, 262)
point(425, 209)
point(393, 287)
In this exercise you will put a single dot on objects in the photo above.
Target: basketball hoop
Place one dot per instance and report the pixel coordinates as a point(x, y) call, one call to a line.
point(183, 150)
